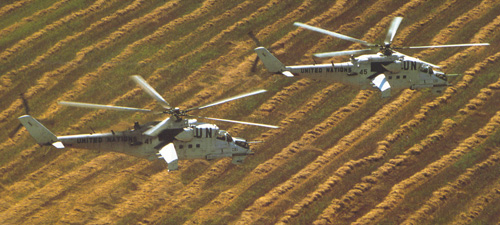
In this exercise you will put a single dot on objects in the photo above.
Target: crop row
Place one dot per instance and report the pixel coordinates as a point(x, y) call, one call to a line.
point(98, 5)
point(286, 154)
point(369, 181)
point(485, 33)
point(286, 157)
point(9, 8)
point(329, 155)
point(472, 14)
point(69, 66)
point(440, 196)
point(83, 82)
point(129, 50)
point(34, 180)
point(404, 33)
point(299, 82)
point(91, 202)
point(348, 167)
point(262, 34)
point(317, 99)
point(146, 196)
point(335, 11)
point(64, 43)
point(173, 196)
point(478, 205)
point(206, 27)
point(398, 191)
point(183, 194)
point(157, 75)
point(392, 164)
point(30, 151)
point(447, 124)
point(17, 105)
point(78, 187)
point(231, 78)
point(178, 199)
point(471, 107)
point(32, 17)
point(18, 212)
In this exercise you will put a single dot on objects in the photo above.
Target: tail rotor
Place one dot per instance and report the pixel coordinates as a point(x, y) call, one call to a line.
point(26, 112)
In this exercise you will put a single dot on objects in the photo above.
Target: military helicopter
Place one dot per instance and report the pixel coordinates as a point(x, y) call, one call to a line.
point(172, 139)
point(386, 69)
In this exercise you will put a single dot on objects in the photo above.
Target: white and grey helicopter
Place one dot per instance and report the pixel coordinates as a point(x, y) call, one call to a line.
point(386, 69)
point(172, 139)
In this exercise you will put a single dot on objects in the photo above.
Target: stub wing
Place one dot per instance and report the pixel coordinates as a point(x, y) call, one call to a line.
point(381, 83)
point(170, 155)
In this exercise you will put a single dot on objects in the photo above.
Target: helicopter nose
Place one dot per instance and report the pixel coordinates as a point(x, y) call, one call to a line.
point(246, 150)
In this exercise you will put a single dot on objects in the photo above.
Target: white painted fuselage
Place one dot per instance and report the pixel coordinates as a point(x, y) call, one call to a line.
point(384, 72)
point(195, 141)
point(400, 71)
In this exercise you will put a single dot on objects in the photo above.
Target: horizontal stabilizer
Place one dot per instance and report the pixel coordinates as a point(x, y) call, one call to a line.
point(58, 144)
point(287, 73)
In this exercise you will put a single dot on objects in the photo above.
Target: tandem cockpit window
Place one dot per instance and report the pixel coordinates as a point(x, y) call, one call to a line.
point(426, 69)
point(243, 144)
point(223, 135)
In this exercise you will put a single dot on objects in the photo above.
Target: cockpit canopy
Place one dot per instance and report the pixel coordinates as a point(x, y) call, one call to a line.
point(243, 144)
point(426, 69)
point(224, 135)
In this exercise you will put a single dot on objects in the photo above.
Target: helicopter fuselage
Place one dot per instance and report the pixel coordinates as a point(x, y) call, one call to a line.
point(195, 141)
point(171, 139)
point(400, 72)
point(385, 70)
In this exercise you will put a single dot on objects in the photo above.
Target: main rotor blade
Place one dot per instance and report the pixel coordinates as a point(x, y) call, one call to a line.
point(341, 53)
point(444, 46)
point(227, 100)
point(99, 106)
point(150, 90)
point(240, 122)
point(392, 30)
point(331, 33)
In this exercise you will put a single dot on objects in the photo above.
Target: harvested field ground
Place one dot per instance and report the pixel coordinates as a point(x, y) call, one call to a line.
point(341, 155)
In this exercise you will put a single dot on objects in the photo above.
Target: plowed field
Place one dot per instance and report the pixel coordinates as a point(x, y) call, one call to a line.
point(341, 155)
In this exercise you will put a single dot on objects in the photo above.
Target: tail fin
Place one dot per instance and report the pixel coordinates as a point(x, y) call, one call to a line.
point(40, 133)
point(270, 62)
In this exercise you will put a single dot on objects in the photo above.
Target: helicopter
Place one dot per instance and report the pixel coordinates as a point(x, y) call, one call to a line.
point(172, 139)
point(386, 69)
